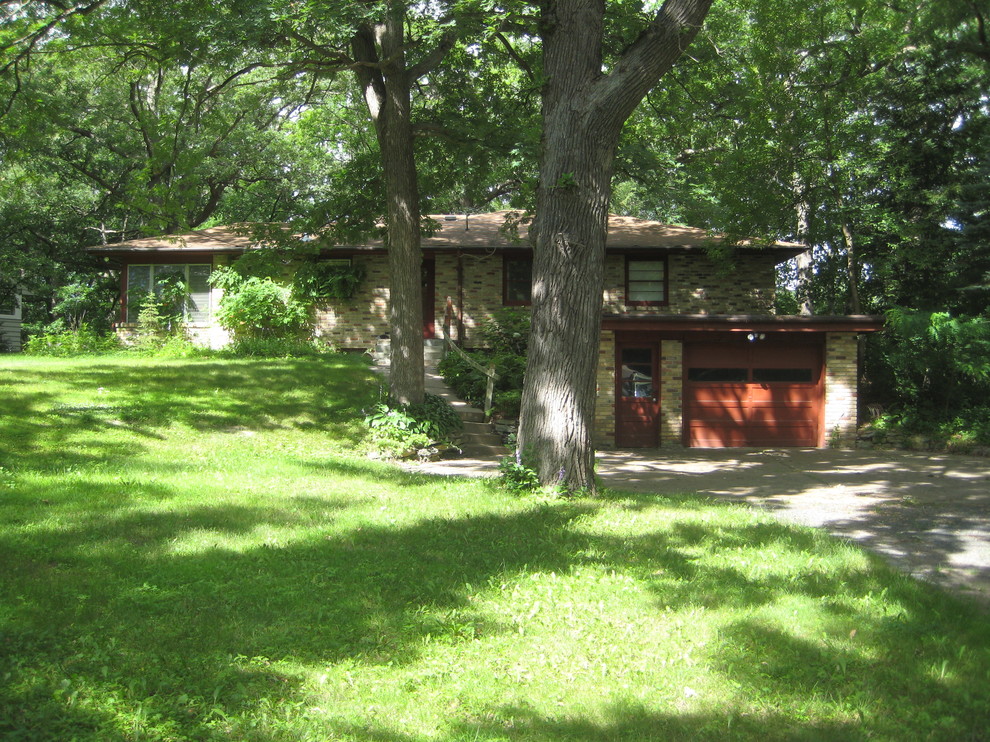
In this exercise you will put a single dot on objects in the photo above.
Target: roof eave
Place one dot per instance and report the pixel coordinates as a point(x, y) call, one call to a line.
point(856, 323)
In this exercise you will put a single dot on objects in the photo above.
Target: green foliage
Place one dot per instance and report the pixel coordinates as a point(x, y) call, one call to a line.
point(316, 282)
point(516, 477)
point(965, 431)
point(786, 302)
point(507, 335)
point(436, 418)
point(394, 431)
point(256, 307)
point(160, 319)
point(252, 347)
point(59, 341)
point(399, 430)
point(507, 331)
point(936, 361)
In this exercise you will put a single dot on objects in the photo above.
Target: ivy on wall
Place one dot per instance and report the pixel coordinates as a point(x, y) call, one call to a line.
point(319, 281)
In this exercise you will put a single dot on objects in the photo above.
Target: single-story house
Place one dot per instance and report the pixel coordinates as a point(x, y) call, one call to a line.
point(691, 354)
point(10, 324)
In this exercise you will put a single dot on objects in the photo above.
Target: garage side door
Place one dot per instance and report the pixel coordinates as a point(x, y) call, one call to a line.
point(763, 393)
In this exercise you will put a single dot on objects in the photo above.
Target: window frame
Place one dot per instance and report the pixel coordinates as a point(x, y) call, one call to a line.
point(508, 258)
point(15, 308)
point(665, 280)
point(152, 267)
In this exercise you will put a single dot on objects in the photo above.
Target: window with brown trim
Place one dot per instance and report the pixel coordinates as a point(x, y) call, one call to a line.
point(517, 280)
point(143, 279)
point(646, 281)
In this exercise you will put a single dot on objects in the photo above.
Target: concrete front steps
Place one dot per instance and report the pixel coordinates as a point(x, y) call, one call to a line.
point(433, 351)
point(479, 439)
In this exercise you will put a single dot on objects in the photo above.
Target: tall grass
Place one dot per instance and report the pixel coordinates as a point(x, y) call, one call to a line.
point(194, 550)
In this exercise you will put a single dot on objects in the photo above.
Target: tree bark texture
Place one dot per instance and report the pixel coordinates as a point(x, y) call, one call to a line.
point(804, 260)
point(852, 267)
point(386, 84)
point(584, 110)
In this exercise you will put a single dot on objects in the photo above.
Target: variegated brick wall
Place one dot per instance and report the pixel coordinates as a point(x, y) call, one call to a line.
point(604, 432)
point(355, 323)
point(671, 393)
point(841, 389)
point(697, 285)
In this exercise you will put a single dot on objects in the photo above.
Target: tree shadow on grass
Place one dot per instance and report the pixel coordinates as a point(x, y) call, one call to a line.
point(636, 723)
point(381, 471)
point(203, 395)
point(369, 596)
point(154, 607)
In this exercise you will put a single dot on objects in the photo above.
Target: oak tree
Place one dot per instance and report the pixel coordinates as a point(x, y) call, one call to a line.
point(586, 101)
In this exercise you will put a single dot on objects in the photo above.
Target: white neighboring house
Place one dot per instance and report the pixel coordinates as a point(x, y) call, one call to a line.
point(10, 324)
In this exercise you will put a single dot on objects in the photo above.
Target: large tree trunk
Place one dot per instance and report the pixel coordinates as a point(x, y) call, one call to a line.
point(583, 114)
point(386, 84)
point(568, 269)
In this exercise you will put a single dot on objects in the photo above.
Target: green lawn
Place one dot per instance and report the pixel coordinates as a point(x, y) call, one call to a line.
point(197, 550)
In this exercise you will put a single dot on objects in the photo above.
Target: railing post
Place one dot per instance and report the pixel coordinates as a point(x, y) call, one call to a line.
point(448, 314)
point(489, 389)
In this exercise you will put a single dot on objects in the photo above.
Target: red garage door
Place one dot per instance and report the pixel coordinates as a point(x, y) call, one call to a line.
point(762, 393)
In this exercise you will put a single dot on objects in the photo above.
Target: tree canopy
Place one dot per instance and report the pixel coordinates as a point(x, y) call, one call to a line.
point(858, 128)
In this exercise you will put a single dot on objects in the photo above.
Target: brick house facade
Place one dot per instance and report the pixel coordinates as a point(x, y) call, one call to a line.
point(691, 352)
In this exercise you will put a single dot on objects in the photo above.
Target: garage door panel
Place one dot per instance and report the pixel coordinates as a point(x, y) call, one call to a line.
point(720, 394)
point(795, 410)
point(779, 404)
point(717, 438)
point(717, 415)
point(797, 438)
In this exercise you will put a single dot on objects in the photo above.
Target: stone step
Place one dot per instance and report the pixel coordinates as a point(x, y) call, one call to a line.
point(481, 451)
point(468, 414)
point(474, 427)
point(486, 437)
point(431, 356)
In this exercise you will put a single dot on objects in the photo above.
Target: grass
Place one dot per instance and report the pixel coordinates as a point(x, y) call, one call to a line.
point(196, 550)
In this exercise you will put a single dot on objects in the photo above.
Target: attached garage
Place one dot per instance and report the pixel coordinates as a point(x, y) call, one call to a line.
point(715, 381)
point(753, 391)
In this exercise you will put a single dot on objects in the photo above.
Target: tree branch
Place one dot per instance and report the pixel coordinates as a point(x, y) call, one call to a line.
point(434, 57)
point(29, 41)
point(654, 52)
point(523, 64)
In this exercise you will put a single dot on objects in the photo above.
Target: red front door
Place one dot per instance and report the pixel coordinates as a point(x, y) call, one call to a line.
point(429, 291)
point(637, 396)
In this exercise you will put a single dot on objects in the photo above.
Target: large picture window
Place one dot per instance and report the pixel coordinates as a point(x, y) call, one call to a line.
point(517, 283)
point(646, 281)
point(142, 279)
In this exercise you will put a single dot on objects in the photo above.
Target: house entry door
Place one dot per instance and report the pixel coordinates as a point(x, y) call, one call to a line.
point(637, 396)
point(429, 305)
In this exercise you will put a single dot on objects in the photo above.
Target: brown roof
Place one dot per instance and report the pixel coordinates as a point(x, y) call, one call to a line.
point(234, 238)
point(855, 323)
point(466, 232)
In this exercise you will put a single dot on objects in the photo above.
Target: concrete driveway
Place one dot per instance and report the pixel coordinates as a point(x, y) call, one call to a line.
point(929, 514)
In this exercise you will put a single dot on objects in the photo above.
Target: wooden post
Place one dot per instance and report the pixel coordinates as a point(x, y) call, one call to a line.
point(489, 389)
point(448, 314)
